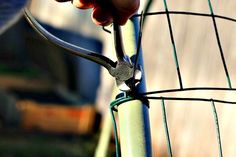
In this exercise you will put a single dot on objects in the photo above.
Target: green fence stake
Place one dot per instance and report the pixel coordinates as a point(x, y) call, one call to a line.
point(134, 127)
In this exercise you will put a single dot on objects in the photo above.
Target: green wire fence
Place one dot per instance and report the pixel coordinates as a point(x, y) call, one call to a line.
point(149, 95)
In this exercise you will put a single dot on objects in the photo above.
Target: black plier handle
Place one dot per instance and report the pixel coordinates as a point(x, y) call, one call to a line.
point(122, 70)
point(78, 51)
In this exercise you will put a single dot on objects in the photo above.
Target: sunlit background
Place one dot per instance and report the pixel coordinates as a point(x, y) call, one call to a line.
point(191, 124)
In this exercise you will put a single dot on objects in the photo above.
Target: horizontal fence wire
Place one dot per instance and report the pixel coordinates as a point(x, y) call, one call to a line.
point(186, 13)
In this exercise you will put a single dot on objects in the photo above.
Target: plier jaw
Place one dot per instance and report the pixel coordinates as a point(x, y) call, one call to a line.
point(127, 76)
point(129, 84)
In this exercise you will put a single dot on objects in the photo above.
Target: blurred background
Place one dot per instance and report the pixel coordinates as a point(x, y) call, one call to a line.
point(52, 103)
point(191, 124)
point(48, 97)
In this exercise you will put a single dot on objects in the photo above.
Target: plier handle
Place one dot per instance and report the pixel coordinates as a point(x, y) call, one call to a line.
point(122, 69)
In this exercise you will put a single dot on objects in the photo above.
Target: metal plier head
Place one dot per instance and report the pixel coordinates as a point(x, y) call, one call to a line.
point(127, 76)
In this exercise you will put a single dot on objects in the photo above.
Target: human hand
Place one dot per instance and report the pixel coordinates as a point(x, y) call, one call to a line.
point(107, 11)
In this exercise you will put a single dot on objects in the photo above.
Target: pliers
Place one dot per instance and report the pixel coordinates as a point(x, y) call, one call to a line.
point(126, 75)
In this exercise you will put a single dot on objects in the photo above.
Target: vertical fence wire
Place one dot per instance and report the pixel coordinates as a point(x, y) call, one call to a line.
point(115, 133)
point(114, 104)
point(219, 44)
point(217, 127)
point(173, 45)
point(164, 116)
point(141, 21)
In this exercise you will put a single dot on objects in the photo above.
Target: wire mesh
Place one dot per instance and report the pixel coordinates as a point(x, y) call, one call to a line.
point(158, 94)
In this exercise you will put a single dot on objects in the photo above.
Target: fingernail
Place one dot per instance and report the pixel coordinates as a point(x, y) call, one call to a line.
point(81, 4)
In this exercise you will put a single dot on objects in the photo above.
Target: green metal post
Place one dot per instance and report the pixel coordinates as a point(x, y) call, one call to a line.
point(134, 127)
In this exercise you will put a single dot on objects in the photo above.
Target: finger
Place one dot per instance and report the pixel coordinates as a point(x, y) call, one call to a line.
point(121, 20)
point(123, 10)
point(126, 5)
point(83, 4)
point(62, 0)
point(101, 16)
point(122, 17)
